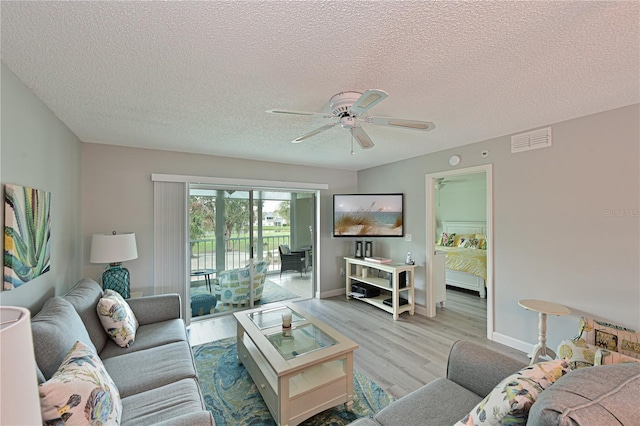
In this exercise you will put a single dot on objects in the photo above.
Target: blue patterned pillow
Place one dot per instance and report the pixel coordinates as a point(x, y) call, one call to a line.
point(117, 318)
point(81, 392)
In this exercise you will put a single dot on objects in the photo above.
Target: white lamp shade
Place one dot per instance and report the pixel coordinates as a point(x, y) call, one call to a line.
point(113, 248)
point(20, 402)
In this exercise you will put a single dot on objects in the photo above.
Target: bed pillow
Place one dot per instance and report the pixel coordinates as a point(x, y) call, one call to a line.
point(610, 336)
point(448, 239)
point(577, 352)
point(482, 241)
point(509, 402)
point(117, 318)
point(469, 243)
point(460, 237)
point(81, 392)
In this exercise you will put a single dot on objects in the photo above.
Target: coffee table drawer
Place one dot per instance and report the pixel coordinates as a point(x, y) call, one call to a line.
point(250, 356)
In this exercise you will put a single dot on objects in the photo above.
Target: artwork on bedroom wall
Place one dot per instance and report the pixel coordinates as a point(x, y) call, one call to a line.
point(27, 235)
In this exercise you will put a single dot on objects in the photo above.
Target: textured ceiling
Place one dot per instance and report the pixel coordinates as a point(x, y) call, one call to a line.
point(198, 76)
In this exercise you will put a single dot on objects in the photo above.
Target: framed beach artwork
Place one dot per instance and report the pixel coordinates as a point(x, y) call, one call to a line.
point(27, 235)
point(368, 215)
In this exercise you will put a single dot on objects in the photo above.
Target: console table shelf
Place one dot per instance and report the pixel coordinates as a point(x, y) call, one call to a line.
point(389, 287)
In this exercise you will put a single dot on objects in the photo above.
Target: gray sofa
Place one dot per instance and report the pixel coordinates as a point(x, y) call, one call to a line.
point(604, 395)
point(156, 376)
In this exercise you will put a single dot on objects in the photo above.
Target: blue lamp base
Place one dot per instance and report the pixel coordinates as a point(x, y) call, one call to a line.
point(116, 278)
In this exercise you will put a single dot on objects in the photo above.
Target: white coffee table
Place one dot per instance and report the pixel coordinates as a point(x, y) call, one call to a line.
point(297, 376)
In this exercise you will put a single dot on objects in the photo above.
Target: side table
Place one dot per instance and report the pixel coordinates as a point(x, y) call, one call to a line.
point(543, 308)
point(207, 276)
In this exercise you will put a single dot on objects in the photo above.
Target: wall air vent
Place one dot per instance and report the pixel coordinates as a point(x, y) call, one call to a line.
point(540, 138)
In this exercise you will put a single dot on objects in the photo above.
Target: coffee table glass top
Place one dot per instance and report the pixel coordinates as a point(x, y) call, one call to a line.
point(304, 337)
point(272, 317)
point(303, 340)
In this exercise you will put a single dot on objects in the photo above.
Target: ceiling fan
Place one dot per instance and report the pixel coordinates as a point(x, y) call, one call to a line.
point(348, 109)
point(441, 182)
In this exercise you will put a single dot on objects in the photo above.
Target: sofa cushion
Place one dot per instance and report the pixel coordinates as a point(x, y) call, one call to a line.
point(604, 395)
point(80, 392)
point(117, 318)
point(441, 402)
point(84, 297)
point(56, 328)
point(478, 368)
point(144, 370)
point(149, 336)
point(162, 403)
point(152, 309)
point(511, 400)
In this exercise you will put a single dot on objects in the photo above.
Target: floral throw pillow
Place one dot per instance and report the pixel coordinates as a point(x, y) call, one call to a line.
point(80, 392)
point(448, 239)
point(469, 243)
point(577, 352)
point(117, 318)
point(510, 401)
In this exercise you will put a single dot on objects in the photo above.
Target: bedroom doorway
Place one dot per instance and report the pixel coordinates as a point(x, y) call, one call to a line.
point(453, 218)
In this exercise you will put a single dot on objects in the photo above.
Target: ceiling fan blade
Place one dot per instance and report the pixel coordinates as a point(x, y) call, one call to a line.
point(314, 132)
point(362, 137)
point(289, 112)
point(399, 122)
point(367, 100)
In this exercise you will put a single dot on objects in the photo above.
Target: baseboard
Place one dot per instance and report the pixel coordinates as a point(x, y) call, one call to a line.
point(420, 310)
point(512, 343)
point(332, 293)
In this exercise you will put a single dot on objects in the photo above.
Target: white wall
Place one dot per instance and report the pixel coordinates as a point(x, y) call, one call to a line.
point(118, 195)
point(39, 151)
point(463, 199)
point(566, 221)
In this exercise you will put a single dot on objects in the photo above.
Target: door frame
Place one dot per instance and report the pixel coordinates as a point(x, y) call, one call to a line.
point(431, 237)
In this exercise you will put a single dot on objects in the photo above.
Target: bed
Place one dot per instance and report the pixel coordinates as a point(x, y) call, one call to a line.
point(466, 267)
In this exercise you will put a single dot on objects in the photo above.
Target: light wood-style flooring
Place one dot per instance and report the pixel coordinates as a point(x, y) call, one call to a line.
point(400, 356)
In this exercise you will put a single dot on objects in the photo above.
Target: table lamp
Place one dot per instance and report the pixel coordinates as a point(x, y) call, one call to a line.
point(114, 249)
point(20, 402)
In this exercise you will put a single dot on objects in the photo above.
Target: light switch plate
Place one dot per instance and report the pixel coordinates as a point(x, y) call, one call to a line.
point(407, 237)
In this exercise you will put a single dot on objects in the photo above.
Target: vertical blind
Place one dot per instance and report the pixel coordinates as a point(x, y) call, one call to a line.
point(171, 241)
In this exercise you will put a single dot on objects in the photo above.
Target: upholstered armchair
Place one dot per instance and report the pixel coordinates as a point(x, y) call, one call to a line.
point(291, 260)
point(233, 285)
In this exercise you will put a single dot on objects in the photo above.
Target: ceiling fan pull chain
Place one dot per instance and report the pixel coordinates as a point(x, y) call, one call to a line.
point(352, 151)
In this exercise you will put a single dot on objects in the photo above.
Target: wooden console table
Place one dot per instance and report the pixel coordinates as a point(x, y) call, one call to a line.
point(390, 287)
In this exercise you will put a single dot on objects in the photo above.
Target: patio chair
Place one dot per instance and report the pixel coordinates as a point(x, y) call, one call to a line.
point(291, 260)
point(233, 285)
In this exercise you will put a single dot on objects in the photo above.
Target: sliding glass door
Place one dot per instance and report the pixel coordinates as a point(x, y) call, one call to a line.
point(236, 235)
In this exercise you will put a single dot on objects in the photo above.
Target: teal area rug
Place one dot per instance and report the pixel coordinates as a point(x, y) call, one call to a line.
point(234, 400)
